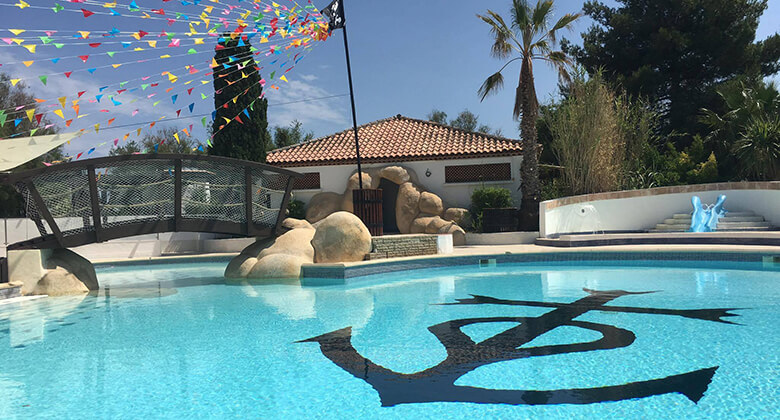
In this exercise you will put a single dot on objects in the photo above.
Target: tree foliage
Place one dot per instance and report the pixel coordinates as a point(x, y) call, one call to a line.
point(160, 141)
point(466, 120)
point(530, 35)
point(291, 135)
point(437, 116)
point(742, 128)
point(237, 85)
point(674, 53)
point(599, 135)
point(11, 97)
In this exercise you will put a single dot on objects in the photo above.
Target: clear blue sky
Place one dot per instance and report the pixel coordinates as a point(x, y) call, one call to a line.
point(408, 57)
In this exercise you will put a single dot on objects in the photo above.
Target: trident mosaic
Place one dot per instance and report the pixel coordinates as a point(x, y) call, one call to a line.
point(437, 384)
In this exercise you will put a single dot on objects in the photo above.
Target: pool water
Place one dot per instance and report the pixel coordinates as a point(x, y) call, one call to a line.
point(173, 341)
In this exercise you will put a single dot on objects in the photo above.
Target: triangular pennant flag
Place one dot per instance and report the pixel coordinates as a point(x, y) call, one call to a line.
point(87, 13)
point(176, 136)
point(30, 113)
point(191, 107)
point(59, 112)
point(174, 97)
point(67, 123)
point(68, 73)
point(62, 100)
point(43, 79)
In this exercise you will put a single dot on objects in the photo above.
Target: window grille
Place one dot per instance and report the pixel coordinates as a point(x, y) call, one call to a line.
point(310, 181)
point(478, 173)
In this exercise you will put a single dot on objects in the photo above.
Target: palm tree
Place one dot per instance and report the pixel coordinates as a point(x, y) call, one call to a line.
point(528, 38)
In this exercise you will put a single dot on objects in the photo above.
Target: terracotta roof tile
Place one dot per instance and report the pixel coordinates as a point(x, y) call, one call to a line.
point(395, 139)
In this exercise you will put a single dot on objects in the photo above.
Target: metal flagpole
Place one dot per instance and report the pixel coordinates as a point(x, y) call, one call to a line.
point(354, 117)
point(335, 12)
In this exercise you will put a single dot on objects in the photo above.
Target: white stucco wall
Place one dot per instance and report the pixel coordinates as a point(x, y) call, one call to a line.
point(334, 179)
point(644, 211)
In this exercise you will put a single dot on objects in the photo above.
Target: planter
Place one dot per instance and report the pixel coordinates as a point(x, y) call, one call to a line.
point(500, 220)
point(368, 207)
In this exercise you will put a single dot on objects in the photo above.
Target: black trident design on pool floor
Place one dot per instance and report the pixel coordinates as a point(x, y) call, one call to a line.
point(437, 384)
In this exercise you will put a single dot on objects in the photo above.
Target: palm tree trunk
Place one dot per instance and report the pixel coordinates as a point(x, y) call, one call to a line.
point(529, 170)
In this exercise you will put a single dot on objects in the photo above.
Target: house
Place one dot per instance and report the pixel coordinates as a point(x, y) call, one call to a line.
point(448, 162)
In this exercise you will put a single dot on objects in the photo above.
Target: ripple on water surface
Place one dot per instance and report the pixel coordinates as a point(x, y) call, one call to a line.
point(173, 341)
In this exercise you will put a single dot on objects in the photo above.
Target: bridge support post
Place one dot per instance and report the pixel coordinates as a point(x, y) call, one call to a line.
point(51, 272)
point(177, 206)
point(94, 199)
point(248, 207)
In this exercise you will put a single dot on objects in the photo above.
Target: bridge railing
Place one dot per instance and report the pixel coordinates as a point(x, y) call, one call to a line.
point(100, 199)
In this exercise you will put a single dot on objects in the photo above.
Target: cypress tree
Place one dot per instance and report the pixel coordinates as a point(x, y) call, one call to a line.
point(237, 76)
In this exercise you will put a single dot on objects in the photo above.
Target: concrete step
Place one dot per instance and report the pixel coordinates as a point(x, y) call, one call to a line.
point(679, 228)
point(725, 219)
point(721, 225)
point(10, 290)
point(728, 214)
point(720, 231)
point(731, 225)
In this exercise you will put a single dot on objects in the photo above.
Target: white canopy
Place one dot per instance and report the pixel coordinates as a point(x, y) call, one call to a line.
point(18, 151)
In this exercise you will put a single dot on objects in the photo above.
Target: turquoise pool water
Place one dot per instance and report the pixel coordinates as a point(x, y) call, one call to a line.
point(172, 341)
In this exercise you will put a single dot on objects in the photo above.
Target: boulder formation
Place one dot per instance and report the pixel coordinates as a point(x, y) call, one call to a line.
point(55, 272)
point(340, 237)
point(322, 205)
point(416, 210)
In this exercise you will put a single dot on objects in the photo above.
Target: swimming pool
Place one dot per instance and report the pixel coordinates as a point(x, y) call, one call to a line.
point(552, 340)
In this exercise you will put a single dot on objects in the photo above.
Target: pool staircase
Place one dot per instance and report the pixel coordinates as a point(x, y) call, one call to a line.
point(733, 221)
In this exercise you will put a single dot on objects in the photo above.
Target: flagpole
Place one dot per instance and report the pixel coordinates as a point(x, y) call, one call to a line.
point(352, 99)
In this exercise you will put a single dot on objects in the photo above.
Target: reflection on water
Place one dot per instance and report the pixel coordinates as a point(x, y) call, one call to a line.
point(26, 322)
point(711, 280)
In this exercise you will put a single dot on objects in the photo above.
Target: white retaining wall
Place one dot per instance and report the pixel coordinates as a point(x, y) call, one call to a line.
point(643, 209)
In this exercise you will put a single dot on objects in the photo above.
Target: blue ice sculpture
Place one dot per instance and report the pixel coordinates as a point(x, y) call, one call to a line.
point(705, 218)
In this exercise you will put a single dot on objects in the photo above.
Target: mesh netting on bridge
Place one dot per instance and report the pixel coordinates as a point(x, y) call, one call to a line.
point(115, 197)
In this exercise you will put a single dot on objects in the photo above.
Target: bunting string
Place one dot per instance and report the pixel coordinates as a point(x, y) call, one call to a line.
point(282, 34)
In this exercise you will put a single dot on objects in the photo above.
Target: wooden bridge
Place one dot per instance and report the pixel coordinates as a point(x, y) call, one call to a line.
point(96, 200)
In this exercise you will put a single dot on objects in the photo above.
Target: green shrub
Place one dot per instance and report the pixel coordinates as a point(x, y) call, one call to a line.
point(554, 188)
point(488, 198)
point(296, 209)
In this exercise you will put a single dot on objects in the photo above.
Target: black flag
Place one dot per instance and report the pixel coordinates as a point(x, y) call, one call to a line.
point(335, 12)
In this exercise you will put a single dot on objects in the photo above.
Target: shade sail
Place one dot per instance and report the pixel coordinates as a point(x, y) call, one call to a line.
point(18, 151)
